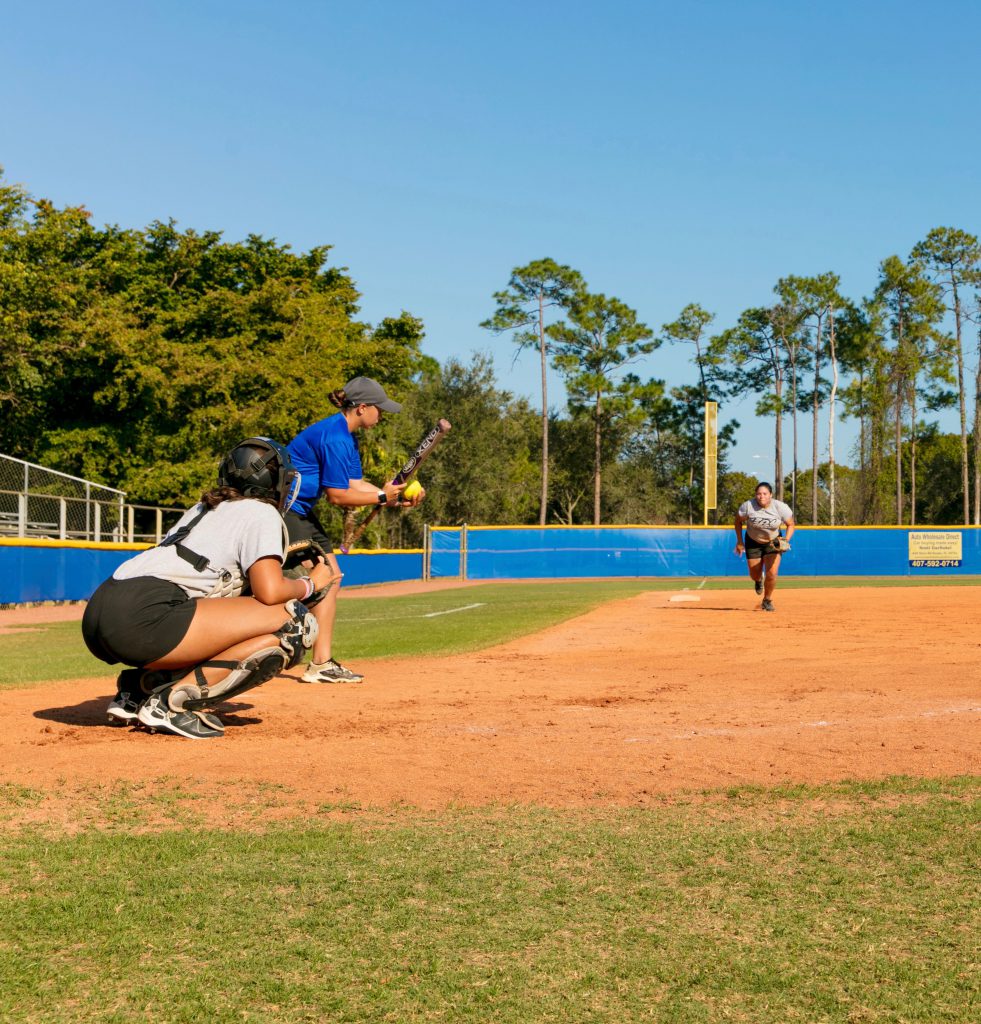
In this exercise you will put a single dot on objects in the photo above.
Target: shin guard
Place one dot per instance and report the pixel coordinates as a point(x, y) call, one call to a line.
point(245, 675)
point(295, 637)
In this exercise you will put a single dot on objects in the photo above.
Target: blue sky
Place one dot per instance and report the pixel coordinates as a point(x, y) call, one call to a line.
point(671, 152)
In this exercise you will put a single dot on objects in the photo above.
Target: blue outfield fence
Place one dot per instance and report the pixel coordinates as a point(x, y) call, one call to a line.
point(43, 570)
point(559, 552)
point(33, 571)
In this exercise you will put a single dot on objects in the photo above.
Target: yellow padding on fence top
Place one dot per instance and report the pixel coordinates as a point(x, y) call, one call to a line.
point(44, 542)
point(383, 551)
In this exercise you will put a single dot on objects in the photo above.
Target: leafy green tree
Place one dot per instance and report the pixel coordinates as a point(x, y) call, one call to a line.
point(690, 328)
point(939, 464)
point(49, 286)
point(819, 299)
point(601, 337)
point(653, 459)
point(953, 258)
point(869, 397)
point(676, 422)
point(847, 499)
point(19, 378)
point(913, 306)
point(734, 488)
point(484, 472)
point(859, 330)
point(135, 358)
point(754, 352)
point(531, 290)
point(572, 484)
point(788, 318)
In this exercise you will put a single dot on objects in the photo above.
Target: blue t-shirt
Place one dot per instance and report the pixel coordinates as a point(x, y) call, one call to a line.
point(326, 455)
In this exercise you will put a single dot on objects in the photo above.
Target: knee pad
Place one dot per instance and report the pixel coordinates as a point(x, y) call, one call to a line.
point(297, 635)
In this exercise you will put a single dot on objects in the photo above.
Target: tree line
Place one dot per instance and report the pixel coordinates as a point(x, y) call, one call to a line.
point(135, 357)
point(812, 354)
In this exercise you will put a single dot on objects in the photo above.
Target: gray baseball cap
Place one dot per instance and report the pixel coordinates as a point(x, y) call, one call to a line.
point(370, 392)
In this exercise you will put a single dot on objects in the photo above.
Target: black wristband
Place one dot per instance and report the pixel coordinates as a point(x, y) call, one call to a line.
point(382, 498)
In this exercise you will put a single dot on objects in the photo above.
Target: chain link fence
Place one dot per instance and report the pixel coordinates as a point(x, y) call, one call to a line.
point(43, 503)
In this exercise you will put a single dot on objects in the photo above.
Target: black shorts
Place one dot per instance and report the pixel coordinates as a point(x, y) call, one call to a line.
point(136, 621)
point(758, 548)
point(307, 527)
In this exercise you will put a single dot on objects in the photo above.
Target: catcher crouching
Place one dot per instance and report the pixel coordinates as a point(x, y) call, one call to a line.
point(187, 652)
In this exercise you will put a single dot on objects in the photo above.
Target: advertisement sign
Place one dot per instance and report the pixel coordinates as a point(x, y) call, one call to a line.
point(934, 549)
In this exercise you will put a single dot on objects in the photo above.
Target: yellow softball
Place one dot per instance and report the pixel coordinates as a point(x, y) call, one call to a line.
point(412, 491)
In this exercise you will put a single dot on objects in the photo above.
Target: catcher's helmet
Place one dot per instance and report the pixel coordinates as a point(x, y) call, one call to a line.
point(261, 468)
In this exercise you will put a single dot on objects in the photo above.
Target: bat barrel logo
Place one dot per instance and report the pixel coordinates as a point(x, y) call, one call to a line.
point(422, 450)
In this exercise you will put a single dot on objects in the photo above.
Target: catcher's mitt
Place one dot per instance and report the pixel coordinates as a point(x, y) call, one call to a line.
point(778, 546)
point(301, 551)
point(307, 551)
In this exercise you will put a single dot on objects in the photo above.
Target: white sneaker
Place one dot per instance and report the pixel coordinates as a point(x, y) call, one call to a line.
point(329, 672)
point(122, 708)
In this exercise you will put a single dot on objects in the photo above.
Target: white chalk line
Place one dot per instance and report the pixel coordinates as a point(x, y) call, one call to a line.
point(420, 615)
point(451, 611)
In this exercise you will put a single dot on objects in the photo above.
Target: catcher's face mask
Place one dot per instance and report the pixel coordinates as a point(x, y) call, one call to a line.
point(290, 488)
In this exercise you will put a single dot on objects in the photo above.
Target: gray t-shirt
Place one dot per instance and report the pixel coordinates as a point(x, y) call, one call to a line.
point(233, 537)
point(764, 523)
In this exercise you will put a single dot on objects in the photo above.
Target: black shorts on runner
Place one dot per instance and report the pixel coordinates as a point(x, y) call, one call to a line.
point(136, 621)
point(307, 527)
point(758, 548)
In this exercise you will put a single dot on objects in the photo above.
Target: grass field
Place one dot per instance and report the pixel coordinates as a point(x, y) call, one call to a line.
point(852, 902)
point(846, 903)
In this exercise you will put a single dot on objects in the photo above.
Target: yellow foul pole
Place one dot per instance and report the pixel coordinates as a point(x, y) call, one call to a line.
point(711, 457)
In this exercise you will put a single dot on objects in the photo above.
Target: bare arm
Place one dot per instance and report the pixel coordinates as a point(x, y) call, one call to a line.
point(270, 586)
point(362, 492)
point(738, 524)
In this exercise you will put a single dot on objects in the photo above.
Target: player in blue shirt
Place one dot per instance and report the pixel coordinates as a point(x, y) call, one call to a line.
point(326, 454)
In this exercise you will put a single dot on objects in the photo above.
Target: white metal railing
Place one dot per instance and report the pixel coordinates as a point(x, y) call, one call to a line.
point(32, 514)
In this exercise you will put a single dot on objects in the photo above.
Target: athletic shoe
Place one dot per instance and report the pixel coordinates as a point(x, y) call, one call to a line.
point(329, 672)
point(195, 725)
point(122, 708)
point(125, 705)
point(767, 605)
point(758, 586)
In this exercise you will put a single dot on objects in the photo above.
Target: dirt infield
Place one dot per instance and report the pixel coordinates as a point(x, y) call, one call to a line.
point(635, 701)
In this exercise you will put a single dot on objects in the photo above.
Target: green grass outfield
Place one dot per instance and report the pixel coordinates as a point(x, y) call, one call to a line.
point(853, 902)
point(843, 903)
point(468, 619)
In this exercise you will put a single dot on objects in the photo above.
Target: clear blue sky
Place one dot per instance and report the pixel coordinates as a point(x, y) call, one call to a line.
point(672, 152)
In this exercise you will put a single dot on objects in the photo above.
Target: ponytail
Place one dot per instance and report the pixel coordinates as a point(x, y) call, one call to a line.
point(338, 399)
point(213, 498)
